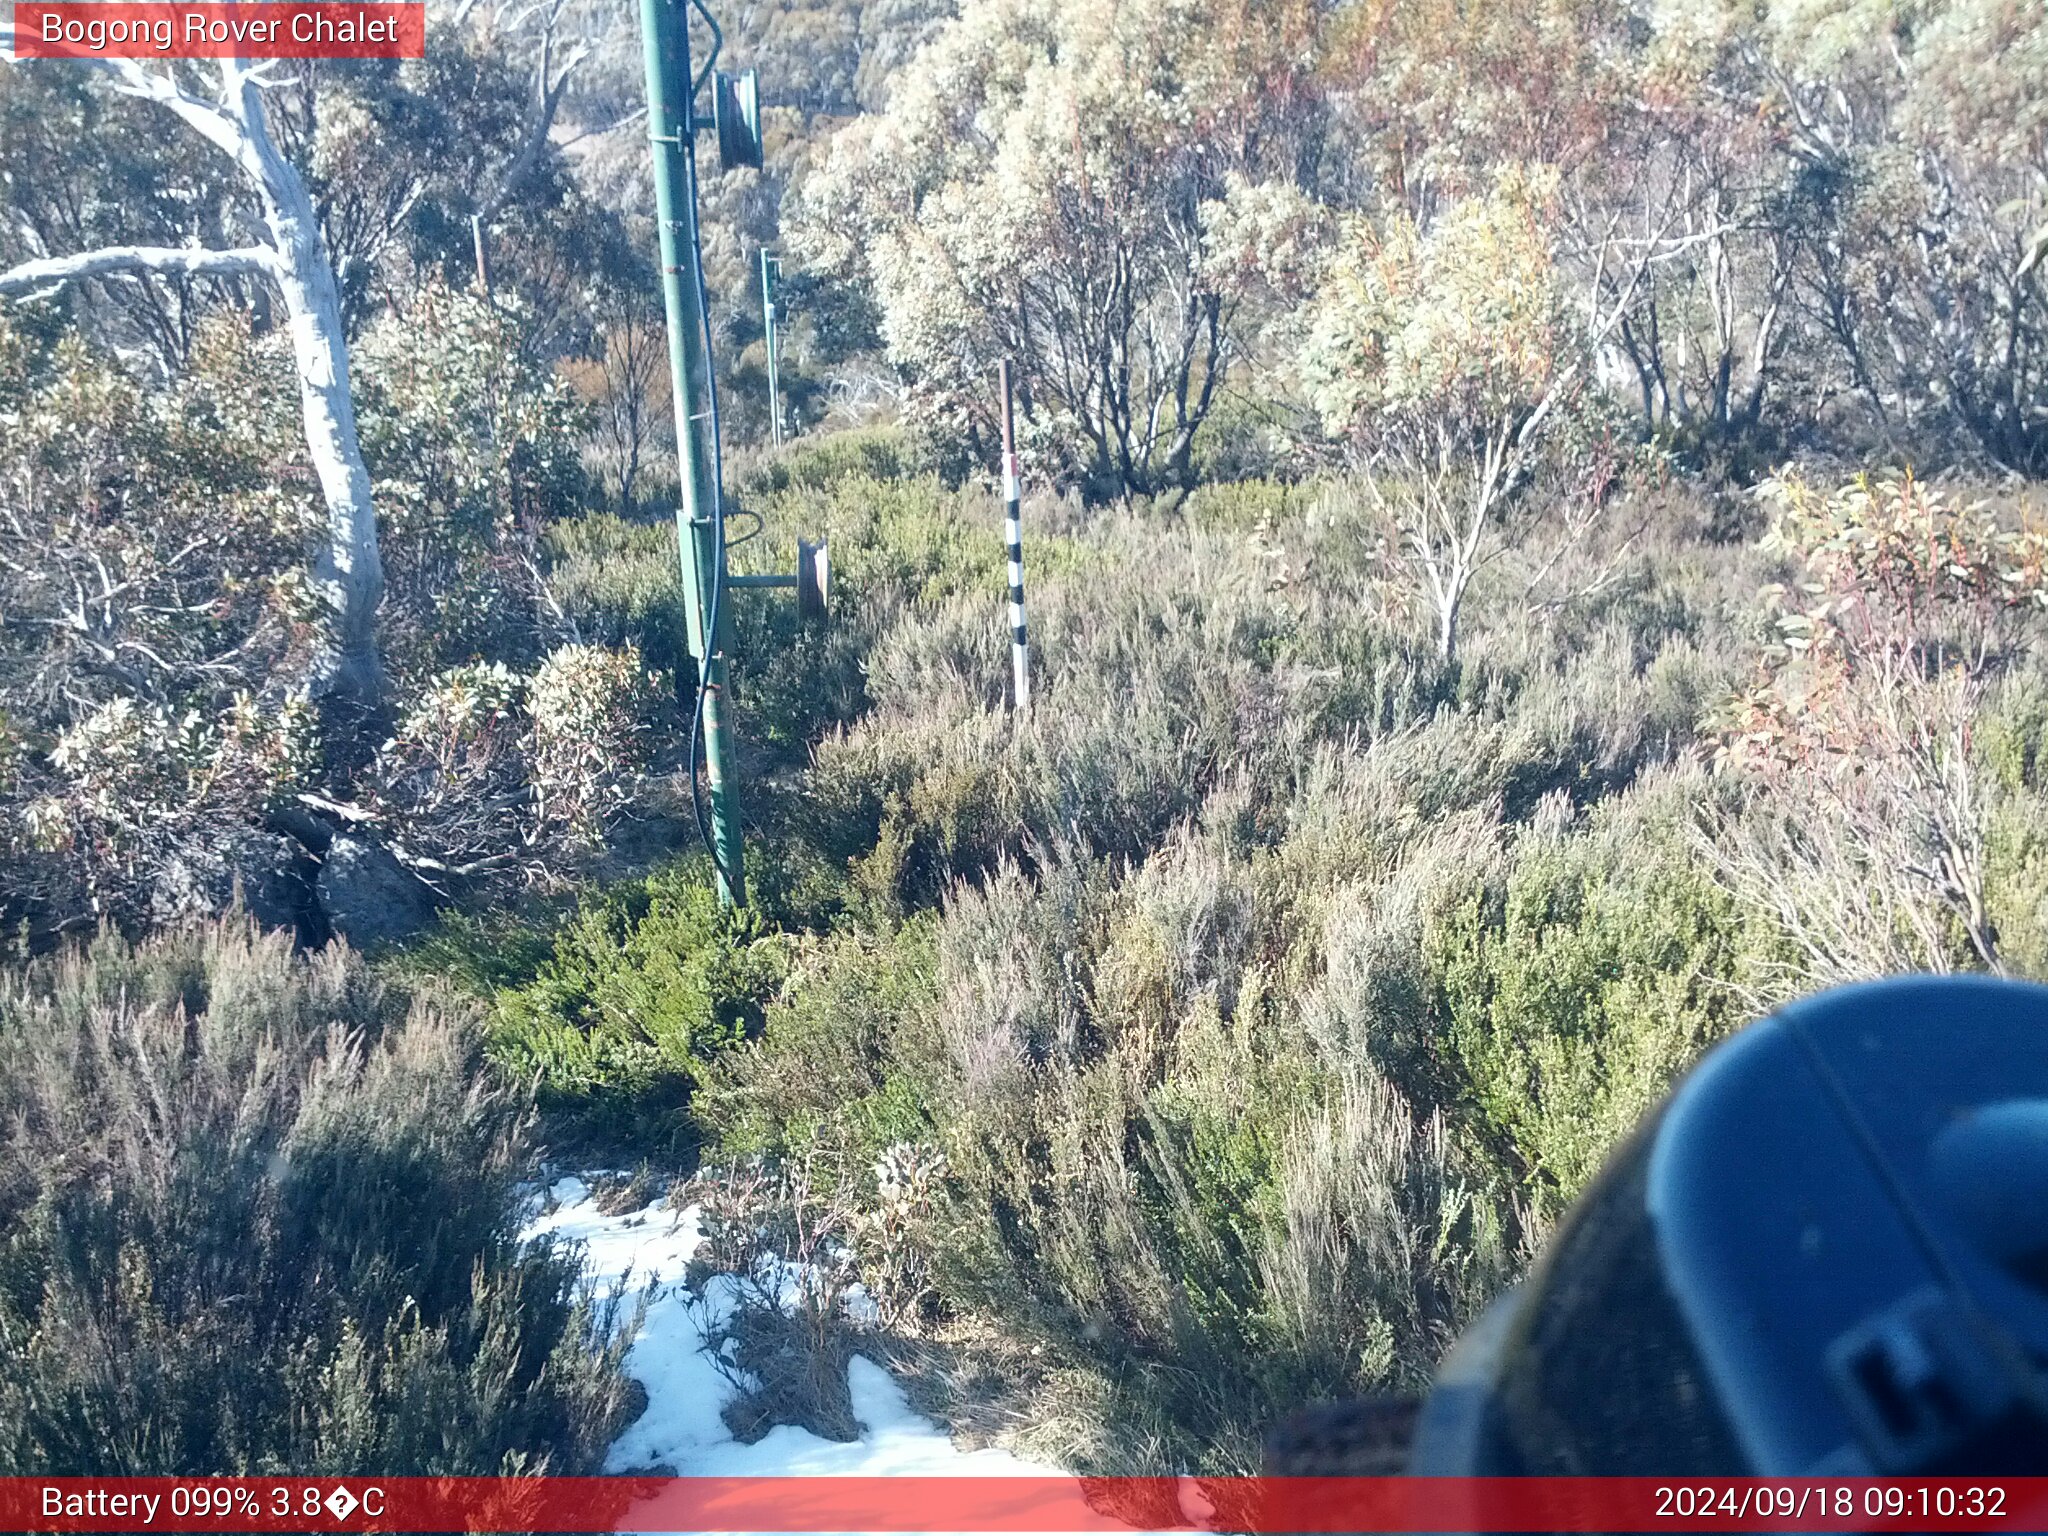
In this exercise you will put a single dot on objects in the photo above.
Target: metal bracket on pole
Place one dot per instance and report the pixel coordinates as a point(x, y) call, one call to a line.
point(811, 580)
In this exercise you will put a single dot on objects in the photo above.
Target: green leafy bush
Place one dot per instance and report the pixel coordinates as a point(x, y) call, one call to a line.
point(1159, 1176)
point(257, 1216)
point(618, 581)
point(472, 443)
point(871, 453)
point(835, 1065)
point(1573, 989)
point(643, 984)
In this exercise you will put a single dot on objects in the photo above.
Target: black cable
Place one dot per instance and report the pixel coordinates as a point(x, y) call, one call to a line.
point(752, 533)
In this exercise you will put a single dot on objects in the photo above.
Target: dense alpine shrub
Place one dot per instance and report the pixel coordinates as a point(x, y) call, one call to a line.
point(257, 1215)
point(612, 1021)
point(1253, 1005)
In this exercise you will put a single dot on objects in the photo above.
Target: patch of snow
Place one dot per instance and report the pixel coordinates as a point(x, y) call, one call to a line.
point(650, 1250)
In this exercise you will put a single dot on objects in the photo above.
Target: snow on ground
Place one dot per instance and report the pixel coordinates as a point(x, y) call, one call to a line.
point(682, 1429)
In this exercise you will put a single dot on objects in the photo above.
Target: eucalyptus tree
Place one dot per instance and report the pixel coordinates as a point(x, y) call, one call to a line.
point(1926, 128)
point(1042, 186)
point(287, 254)
point(1447, 355)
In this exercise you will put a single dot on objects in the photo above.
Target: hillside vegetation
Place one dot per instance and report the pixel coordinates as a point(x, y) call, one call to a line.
point(1534, 552)
point(1218, 1037)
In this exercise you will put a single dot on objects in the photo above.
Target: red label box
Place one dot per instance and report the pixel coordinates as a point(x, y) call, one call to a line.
point(220, 29)
point(796, 1506)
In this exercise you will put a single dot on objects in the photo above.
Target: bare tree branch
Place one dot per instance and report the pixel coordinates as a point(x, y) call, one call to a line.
point(549, 84)
point(2037, 248)
point(50, 273)
point(209, 120)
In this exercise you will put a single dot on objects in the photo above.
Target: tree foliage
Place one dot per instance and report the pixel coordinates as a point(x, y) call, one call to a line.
point(1450, 358)
point(1041, 187)
point(1909, 608)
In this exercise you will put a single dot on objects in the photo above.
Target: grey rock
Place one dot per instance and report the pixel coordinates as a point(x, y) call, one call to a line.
point(369, 897)
point(202, 880)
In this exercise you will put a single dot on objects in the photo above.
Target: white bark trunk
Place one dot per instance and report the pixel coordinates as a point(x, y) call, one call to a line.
point(348, 569)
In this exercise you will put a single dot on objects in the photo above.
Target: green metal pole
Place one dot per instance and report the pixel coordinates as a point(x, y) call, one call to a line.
point(770, 270)
point(671, 128)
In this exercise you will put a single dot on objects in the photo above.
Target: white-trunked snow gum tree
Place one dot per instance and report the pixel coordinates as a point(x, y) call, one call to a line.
point(346, 568)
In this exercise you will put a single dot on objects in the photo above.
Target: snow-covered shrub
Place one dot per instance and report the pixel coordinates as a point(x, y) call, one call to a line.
point(800, 1259)
point(257, 1212)
point(776, 1285)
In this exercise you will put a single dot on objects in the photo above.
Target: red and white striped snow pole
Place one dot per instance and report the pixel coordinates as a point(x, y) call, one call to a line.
point(1013, 540)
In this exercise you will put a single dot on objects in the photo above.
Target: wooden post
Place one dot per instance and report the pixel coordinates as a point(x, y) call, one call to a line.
point(1013, 539)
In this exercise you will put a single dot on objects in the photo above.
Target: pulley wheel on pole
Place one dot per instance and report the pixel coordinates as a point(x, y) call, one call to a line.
point(736, 117)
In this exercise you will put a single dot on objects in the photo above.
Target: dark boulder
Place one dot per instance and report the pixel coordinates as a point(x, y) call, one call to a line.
point(268, 872)
point(369, 897)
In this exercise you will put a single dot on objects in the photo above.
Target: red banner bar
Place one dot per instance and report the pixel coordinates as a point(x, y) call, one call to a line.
point(220, 29)
point(1010, 1504)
